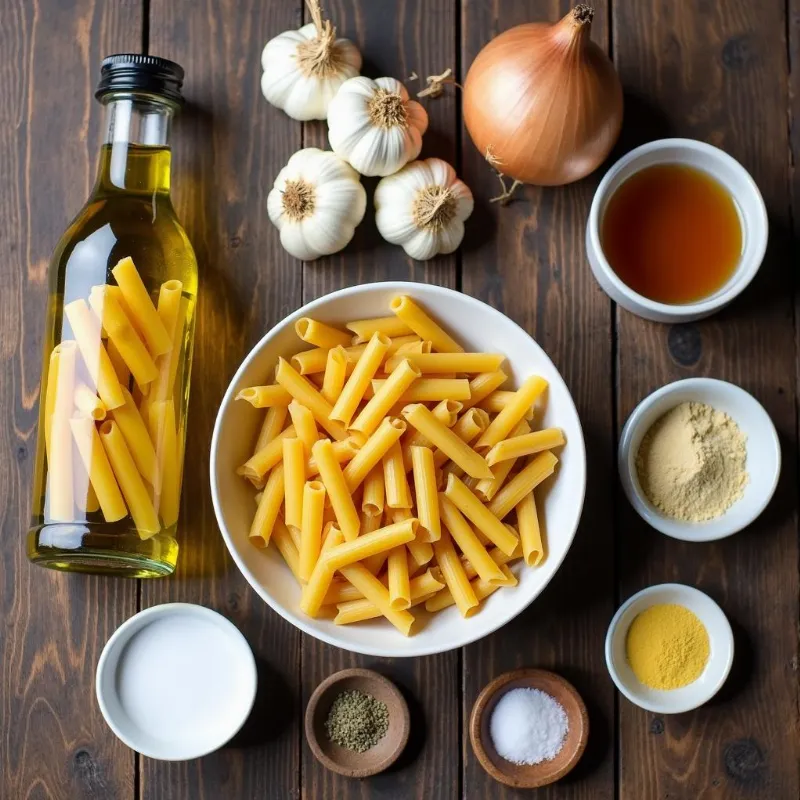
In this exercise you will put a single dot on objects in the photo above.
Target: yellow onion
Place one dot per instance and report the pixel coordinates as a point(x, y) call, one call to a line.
point(543, 103)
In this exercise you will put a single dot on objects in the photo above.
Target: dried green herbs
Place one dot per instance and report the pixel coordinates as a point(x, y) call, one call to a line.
point(357, 721)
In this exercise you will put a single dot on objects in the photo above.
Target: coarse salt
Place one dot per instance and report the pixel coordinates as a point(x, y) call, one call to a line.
point(528, 726)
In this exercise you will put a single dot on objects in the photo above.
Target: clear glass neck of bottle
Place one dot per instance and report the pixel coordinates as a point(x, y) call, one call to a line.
point(135, 156)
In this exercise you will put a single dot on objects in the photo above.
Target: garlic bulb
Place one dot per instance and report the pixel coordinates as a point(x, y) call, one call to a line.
point(423, 208)
point(316, 202)
point(303, 69)
point(374, 126)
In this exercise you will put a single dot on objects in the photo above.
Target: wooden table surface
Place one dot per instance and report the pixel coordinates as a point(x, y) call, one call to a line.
point(724, 71)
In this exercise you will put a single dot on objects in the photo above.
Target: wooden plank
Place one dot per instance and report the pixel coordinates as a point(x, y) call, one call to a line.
point(229, 144)
point(396, 38)
point(718, 72)
point(527, 260)
point(54, 740)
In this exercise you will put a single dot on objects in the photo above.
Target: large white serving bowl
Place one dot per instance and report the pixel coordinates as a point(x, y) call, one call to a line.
point(479, 328)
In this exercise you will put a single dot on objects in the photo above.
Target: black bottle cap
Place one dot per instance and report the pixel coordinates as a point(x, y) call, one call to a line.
point(131, 72)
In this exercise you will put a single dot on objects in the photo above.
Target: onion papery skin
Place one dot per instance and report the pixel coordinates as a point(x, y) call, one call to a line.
point(543, 103)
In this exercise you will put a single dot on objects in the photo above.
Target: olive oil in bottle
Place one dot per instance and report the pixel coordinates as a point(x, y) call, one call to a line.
point(118, 348)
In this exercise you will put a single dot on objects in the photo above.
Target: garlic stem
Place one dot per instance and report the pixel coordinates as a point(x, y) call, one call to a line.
point(318, 56)
point(436, 84)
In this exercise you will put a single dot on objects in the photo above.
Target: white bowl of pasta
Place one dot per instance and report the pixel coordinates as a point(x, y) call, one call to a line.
point(328, 506)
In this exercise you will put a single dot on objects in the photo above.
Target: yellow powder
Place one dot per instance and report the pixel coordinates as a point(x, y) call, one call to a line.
point(667, 646)
point(691, 463)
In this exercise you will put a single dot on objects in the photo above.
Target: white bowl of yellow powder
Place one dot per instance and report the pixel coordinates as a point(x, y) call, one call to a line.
point(699, 459)
point(669, 648)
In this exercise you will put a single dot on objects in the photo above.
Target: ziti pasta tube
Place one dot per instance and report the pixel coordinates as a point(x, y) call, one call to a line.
point(366, 367)
point(419, 322)
point(374, 449)
point(389, 392)
point(294, 469)
point(427, 390)
point(335, 374)
point(139, 438)
point(454, 575)
point(426, 495)
point(374, 591)
point(437, 363)
point(530, 534)
point(319, 334)
point(481, 386)
point(447, 441)
point(363, 329)
point(60, 477)
point(374, 492)
point(144, 313)
point(399, 584)
point(265, 396)
point(524, 482)
point(487, 489)
point(513, 413)
point(335, 484)
point(311, 529)
point(525, 445)
point(398, 493)
point(268, 507)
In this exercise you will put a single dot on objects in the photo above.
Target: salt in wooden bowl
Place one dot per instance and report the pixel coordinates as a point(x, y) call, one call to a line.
point(523, 776)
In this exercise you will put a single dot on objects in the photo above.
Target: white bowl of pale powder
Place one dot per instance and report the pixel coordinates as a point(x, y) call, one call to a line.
point(699, 459)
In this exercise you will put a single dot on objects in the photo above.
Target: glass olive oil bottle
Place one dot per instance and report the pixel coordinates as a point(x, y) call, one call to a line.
point(118, 348)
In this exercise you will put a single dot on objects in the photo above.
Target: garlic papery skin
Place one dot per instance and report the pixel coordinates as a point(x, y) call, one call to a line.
point(374, 126)
point(304, 69)
point(316, 203)
point(422, 208)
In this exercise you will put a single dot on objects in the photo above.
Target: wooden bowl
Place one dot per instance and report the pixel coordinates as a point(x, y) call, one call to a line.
point(340, 759)
point(523, 776)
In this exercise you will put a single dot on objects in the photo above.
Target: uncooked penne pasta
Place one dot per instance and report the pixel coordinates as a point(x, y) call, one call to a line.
point(60, 476)
point(265, 396)
point(524, 482)
point(310, 362)
point(373, 450)
point(144, 313)
point(399, 584)
point(398, 492)
point(525, 445)
point(426, 495)
point(97, 465)
point(311, 529)
point(335, 374)
point(427, 390)
point(86, 328)
point(164, 436)
point(530, 534)
point(294, 480)
point(286, 547)
point(342, 451)
point(274, 420)
point(454, 575)
point(304, 424)
point(480, 589)
point(497, 555)
point(121, 331)
point(444, 438)
point(469, 544)
point(88, 403)
point(388, 393)
point(138, 438)
point(261, 462)
point(268, 508)
point(446, 412)
point(437, 363)
point(336, 486)
point(374, 591)
point(172, 308)
point(307, 395)
point(514, 411)
point(365, 369)
point(498, 400)
point(129, 480)
point(319, 334)
point(480, 516)
point(363, 329)
point(374, 492)
point(419, 322)
point(481, 386)
point(421, 552)
point(487, 489)
point(468, 427)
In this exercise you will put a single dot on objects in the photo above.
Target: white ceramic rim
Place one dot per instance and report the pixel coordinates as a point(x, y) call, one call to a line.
point(742, 275)
point(687, 531)
point(297, 621)
point(137, 620)
point(668, 707)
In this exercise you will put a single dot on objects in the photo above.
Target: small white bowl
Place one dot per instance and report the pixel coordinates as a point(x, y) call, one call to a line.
point(763, 456)
point(749, 203)
point(479, 327)
point(176, 681)
point(720, 659)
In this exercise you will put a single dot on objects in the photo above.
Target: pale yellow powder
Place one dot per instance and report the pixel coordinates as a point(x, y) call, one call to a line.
point(691, 463)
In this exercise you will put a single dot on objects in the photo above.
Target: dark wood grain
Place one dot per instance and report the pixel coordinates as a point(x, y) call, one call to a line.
point(227, 144)
point(527, 259)
point(396, 39)
point(54, 741)
point(718, 72)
